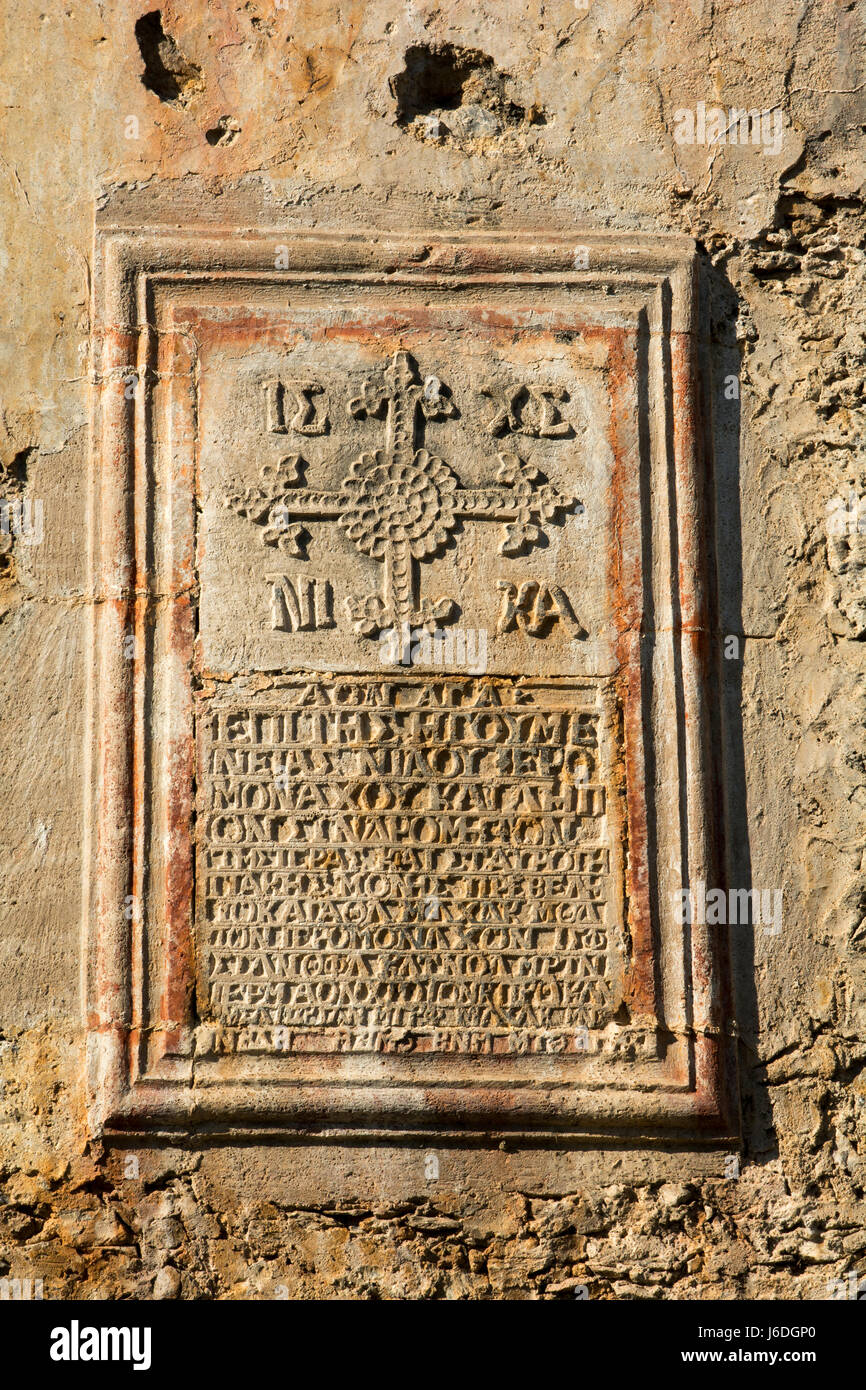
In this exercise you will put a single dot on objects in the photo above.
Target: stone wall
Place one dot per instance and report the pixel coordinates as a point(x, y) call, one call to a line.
point(482, 117)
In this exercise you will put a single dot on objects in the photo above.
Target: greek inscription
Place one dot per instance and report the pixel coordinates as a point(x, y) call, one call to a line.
point(531, 606)
point(337, 817)
point(528, 410)
point(290, 405)
point(300, 605)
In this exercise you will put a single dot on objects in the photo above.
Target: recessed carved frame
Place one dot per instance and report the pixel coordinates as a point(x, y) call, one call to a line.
point(668, 1073)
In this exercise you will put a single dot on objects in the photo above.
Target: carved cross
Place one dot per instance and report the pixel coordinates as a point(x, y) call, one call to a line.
point(400, 503)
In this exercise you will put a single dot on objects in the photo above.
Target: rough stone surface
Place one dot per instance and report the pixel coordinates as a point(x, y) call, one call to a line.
point(482, 118)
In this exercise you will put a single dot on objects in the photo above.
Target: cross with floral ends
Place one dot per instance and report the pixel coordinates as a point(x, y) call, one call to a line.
point(400, 503)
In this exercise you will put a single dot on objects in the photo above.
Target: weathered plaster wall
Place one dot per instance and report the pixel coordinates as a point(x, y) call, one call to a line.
point(336, 115)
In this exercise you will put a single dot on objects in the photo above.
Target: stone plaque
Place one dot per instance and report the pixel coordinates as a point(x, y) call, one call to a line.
point(399, 749)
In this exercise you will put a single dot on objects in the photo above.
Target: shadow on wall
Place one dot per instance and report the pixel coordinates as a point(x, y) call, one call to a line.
point(720, 368)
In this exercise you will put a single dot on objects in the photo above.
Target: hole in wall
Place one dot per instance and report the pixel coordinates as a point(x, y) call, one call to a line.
point(167, 73)
point(444, 90)
point(225, 132)
point(14, 473)
point(13, 480)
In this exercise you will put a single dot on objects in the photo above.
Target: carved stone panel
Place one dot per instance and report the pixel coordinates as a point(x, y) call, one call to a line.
point(400, 750)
